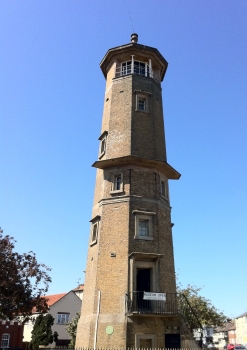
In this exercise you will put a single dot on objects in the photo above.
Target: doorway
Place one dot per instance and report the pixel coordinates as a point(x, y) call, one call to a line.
point(143, 280)
point(172, 341)
point(143, 284)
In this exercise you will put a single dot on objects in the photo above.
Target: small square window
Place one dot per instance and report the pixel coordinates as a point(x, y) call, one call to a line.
point(143, 225)
point(143, 228)
point(117, 183)
point(142, 101)
point(142, 104)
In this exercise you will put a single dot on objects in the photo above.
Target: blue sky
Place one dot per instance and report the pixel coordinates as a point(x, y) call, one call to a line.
point(51, 102)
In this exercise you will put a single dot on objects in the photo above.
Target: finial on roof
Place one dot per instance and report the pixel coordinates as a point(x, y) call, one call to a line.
point(134, 38)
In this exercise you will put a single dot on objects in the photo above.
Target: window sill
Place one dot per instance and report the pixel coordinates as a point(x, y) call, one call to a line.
point(101, 155)
point(141, 110)
point(144, 238)
point(93, 243)
point(164, 197)
point(117, 192)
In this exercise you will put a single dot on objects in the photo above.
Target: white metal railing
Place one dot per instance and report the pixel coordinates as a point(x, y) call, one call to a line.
point(137, 68)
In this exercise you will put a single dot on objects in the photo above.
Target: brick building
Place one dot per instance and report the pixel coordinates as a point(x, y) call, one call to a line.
point(11, 334)
point(130, 290)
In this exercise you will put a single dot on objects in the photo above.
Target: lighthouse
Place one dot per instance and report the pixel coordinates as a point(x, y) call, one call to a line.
point(130, 289)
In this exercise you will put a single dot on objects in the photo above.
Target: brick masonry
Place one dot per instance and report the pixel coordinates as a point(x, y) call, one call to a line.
point(114, 258)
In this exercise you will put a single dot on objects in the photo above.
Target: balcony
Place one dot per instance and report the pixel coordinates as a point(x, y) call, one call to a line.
point(137, 68)
point(164, 304)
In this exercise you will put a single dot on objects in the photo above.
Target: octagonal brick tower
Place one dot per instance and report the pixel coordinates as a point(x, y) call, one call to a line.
point(129, 295)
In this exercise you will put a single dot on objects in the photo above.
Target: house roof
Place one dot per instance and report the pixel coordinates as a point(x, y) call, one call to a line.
point(244, 314)
point(52, 299)
point(79, 288)
point(226, 327)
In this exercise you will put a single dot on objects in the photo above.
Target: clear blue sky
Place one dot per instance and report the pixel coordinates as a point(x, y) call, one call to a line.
point(51, 102)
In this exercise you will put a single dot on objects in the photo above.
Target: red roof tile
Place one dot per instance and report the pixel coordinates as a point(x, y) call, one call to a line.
point(80, 287)
point(52, 299)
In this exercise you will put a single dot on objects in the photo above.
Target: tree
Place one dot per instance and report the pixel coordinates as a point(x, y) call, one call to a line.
point(42, 332)
point(23, 281)
point(72, 328)
point(203, 308)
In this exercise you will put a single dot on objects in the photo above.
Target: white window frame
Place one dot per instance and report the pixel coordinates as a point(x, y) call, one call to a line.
point(142, 96)
point(63, 318)
point(133, 66)
point(142, 102)
point(5, 340)
point(144, 216)
point(103, 142)
point(94, 230)
point(114, 189)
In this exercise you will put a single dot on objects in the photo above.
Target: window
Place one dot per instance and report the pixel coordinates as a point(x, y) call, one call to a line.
point(143, 225)
point(102, 139)
point(145, 341)
point(139, 68)
point(94, 230)
point(142, 100)
point(164, 188)
point(117, 183)
point(103, 146)
point(143, 228)
point(62, 318)
point(142, 104)
point(5, 340)
point(126, 68)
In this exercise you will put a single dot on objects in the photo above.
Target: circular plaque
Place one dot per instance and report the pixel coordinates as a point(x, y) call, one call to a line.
point(109, 330)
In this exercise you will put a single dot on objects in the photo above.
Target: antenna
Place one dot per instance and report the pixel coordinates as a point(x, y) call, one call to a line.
point(78, 282)
point(131, 23)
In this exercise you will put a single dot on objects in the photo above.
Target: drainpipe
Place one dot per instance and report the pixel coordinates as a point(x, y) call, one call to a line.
point(96, 324)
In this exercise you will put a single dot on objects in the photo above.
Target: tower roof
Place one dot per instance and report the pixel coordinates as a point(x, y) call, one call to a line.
point(132, 48)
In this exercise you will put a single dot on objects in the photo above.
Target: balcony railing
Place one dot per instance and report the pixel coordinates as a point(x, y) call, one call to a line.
point(138, 69)
point(137, 304)
point(173, 304)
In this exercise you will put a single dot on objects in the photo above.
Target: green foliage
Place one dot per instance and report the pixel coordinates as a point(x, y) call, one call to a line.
point(72, 328)
point(23, 281)
point(203, 308)
point(42, 332)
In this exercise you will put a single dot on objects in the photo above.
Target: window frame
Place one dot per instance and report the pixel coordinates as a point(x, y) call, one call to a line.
point(136, 67)
point(113, 183)
point(151, 337)
point(144, 96)
point(143, 216)
point(66, 316)
point(94, 230)
point(3, 341)
point(103, 142)
point(164, 181)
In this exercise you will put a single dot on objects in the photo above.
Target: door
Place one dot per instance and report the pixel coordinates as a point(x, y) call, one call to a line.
point(143, 284)
point(172, 341)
